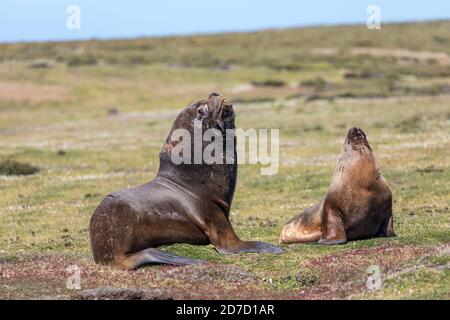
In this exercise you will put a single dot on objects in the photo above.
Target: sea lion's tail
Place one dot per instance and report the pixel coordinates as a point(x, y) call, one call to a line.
point(155, 256)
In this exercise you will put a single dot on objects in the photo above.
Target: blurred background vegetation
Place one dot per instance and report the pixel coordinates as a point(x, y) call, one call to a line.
point(81, 119)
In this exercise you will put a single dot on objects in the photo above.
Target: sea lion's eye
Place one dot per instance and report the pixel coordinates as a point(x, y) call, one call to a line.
point(202, 111)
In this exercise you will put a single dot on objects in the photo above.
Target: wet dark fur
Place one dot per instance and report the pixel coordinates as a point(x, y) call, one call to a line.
point(185, 203)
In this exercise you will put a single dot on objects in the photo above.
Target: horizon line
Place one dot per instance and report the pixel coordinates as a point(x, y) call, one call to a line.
point(218, 33)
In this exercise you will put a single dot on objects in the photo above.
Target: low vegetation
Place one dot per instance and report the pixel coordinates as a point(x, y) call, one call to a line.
point(92, 117)
point(14, 168)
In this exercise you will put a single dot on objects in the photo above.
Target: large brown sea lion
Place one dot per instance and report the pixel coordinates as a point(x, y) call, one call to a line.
point(185, 203)
point(358, 204)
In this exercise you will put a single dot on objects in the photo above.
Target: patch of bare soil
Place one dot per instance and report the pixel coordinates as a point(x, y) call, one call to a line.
point(45, 277)
point(343, 274)
point(113, 294)
point(336, 276)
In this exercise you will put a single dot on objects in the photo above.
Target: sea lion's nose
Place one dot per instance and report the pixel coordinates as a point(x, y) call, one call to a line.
point(356, 133)
point(353, 131)
point(214, 94)
point(215, 98)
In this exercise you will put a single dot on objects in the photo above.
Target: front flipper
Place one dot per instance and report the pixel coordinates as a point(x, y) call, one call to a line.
point(252, 247)
point(333, 228)
point(224, 239)
point(332, 242)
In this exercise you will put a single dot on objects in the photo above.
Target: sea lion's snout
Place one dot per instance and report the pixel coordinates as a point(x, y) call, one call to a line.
point(218, 101)
point(223, 113)
point(355, 135)
point(214, 94)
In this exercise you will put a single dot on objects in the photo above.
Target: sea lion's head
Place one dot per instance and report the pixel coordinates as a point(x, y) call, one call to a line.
point(357, 161)
point(214, 112)
point(356, 139)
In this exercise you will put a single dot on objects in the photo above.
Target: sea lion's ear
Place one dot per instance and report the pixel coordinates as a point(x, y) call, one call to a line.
point(364, 134)
point(202, 111)
point(226, 110)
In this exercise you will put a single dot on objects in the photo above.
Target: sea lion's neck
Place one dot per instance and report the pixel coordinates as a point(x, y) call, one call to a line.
point(217, 180)
point(358, 165)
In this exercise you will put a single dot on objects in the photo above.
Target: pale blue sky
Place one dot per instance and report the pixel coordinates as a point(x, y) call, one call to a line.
point(36, 20)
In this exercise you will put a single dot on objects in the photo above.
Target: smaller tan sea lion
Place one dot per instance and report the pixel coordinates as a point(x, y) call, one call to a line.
point(358, 204)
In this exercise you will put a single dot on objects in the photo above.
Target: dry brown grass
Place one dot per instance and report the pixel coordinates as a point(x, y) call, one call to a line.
point(33, 92)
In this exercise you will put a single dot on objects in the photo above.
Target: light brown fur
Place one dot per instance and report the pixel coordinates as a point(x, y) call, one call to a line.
point(358, 204)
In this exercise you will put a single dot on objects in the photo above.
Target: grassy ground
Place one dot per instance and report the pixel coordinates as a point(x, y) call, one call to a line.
point(92, 117)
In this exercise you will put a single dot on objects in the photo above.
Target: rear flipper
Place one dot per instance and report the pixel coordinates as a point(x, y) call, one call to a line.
point(306, 227)
point(295, 232)
point(390, 228)
point(387, 230)
point(155, 256)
